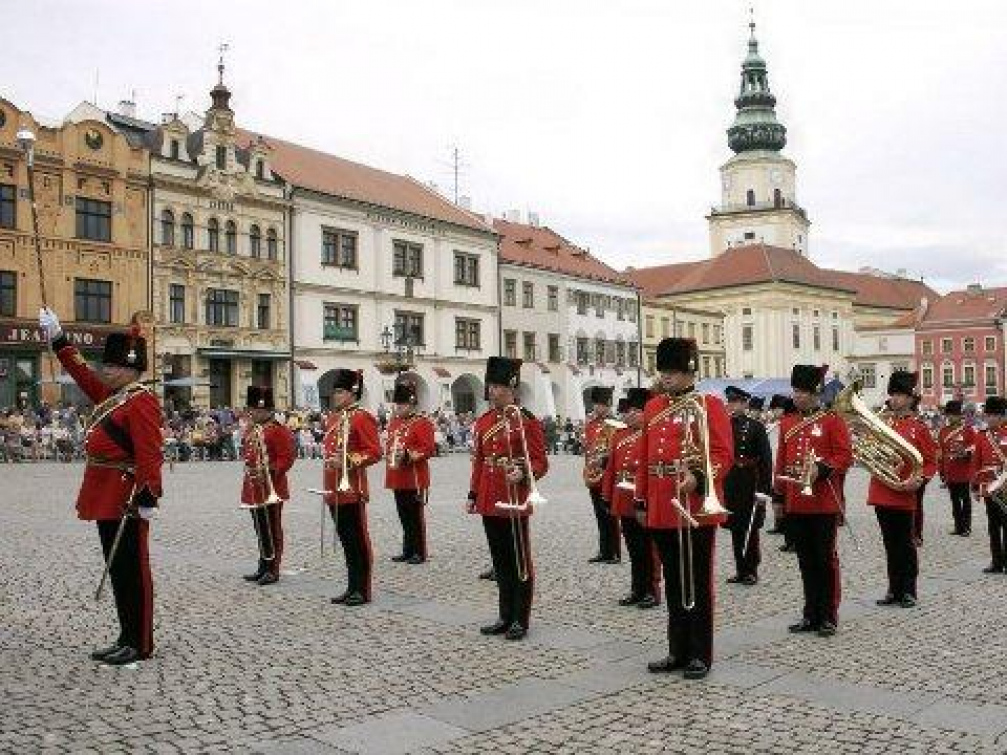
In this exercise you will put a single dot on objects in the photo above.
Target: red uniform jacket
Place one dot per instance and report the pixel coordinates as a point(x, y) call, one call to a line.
point(661, 447)
point(623, 463)
point(990, 456)
point(136, 422)
point(279, 442)
point(409, 434)
point(594, 431)
point(956, 442)
point(826, 434)
point(362, 450)
point(916, 432)
point(497, 444)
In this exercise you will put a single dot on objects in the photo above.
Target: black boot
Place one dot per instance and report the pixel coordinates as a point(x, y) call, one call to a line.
point(257, 574)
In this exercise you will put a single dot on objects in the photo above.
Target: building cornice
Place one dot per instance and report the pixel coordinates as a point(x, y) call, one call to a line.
point(301, 287)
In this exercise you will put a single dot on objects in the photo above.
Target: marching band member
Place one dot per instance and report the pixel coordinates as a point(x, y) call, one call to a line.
point(989, 462)
point(597, 434)
point(508, 440)
point(685, 452)
point(814, 451)
point(122, 479)
point(263, 497)
point(351, 444)
point(895, 507)
point(956, 440)
point(410, 442)
point(617, 488)
point(751, 472)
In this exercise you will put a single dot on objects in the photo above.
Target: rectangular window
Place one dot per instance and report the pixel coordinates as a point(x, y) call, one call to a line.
point(718, 334)
point(174, 149)
point(990, 343)
point(816, 338)
point(706, 367)
point(176, 303)
point(706, 332)
point(665, 327)
point(948, 376)
point(92, 300)
point(747, 337)
point(339, 248)
point(262, 312)
point(467, 334)
point(968, 345)
point(529, 347)
point(835, 339)
point(946, 345)
point(8, 293)
point(581, 351)
point(554, 347)
point(583, 302)
point(510, 292)
point(927, 377)
point(407, 259)
point(795, 335)
point(648, 326)
point(869, 373)
point(94, 219)
point(631, 305)
point(927, 347)
point(553, 292)
point(692, 330)
point(991, 379)
point(409, 327)
point(466, 269)
point(222, 308)
point(651, 362)
point(620, 354)
point(599, 351)
point(510, 344)
point(221, 157)
point(620, 313)
point(633, 350)
point(599, 305)
point(969, 375)
point(8, 214)
point(528, 295)
point(339, 322)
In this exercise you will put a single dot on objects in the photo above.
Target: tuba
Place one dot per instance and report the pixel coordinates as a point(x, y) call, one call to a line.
point(595, 457)
point(886, 454)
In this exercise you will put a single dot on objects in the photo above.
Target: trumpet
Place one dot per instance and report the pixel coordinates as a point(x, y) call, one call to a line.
point(806, 476)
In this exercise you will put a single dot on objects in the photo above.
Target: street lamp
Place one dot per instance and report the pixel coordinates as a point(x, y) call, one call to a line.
point(403, 345)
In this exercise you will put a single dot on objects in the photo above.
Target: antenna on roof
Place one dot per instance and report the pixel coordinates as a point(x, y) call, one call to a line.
point(221, 48)
point(456, 166)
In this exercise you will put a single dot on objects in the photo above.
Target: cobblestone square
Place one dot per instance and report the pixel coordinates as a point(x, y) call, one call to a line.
point(239, 668)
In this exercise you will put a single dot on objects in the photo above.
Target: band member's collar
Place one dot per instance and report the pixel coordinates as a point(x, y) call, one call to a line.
point(811, 410)
point(684, 391)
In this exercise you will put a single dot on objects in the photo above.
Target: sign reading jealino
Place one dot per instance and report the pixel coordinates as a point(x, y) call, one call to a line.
point(24, 334)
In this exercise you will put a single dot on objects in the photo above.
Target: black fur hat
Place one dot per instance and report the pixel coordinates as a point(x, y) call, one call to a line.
point(349, 380)
point(808, 377)
point(677, 355)
point(126, 350)
point(259, 397)
point(733, 393)
point(902, 382)
point(502, 371)
point(637, 398)
point(995, 405)
point(405, 393)
point(601, 395)
point(756, 403)
point(953, 408)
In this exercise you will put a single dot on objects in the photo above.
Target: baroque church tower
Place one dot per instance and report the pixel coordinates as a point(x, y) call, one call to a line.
point(758, 185)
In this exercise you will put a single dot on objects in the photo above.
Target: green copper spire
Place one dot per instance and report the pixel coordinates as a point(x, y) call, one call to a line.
point(755, 127)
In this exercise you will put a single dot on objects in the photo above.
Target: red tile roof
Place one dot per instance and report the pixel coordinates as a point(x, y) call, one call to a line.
point(543, 248)
point(761, 263)
point(319, 171)
point(976, 304)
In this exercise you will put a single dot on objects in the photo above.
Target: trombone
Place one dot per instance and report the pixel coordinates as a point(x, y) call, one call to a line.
point(267, 548)
point(343, 429)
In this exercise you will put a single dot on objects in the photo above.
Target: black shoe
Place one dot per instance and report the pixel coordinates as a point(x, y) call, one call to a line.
point(908, 601)
point(103, 653)
point(613, 560)
point(647, 601)
point(888, 600)
point(354, 599)
point(516, 632)
point(122, 656)
point(341, 598)
point(786, 548)
point(665, 665)
point(488, 574)
point(400, 558)
point(269, 578)
point(256, 575)
point(417, 559)
point(733, 580)
point(750, 579)
point(804, 625)
point(499, 627)
point(696, 669)
point(774, 531)
point(992, 569)
point(827, 629)
point(597, 559)
point(630, 600)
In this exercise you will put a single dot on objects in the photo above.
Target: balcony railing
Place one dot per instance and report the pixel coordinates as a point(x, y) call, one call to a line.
point(758, 207)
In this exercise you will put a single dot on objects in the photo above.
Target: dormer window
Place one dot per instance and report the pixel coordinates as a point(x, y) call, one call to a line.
point(221, 158)
point(260, 169)
point(174, 149)
point(750, 197)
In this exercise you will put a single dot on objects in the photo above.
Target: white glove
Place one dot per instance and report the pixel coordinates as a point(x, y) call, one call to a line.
point(147, 512)
point(49, 323)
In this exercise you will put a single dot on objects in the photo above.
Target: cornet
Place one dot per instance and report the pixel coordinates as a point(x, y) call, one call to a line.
point(534, 496)
point(808, 472)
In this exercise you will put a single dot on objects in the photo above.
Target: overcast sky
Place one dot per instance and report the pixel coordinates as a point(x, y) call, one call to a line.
point(607, 118)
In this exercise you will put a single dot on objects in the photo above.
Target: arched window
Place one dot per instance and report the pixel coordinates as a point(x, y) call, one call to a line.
point(255, 241)
point(231, 237)
point(188, 236)
point(271, 243)
point(167, 228)
point(751, 198)
point(213, 235)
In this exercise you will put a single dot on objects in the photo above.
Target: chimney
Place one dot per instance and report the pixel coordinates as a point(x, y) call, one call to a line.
point(465, 202)
point(973, 289)
point(127, 108)
point(533, 219)
point(901, 272)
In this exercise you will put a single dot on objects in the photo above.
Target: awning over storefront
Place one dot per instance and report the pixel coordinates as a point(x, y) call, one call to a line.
point(212, 353)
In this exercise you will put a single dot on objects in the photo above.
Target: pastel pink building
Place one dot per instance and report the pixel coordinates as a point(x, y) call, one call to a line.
point(960, 346)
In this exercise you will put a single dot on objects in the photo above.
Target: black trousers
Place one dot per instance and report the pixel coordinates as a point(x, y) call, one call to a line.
point(898, 534)
point(996, 521)
point(131, 582)
point(645, 567)
point(815, 541)
point(412, 516)
point(918, 518)
point(609, 545)
point(690, 631)
point(268, 523)
point(961, 506)
point(351, 526)
point(746, 563)
point(510, 548)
